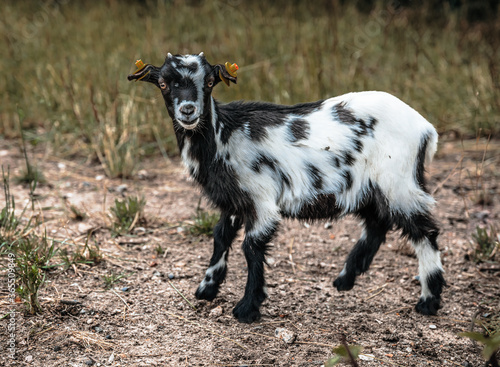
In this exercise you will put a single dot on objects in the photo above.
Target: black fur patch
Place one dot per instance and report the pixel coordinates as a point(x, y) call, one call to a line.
point(263, 160)
point(347, 180)
point(316, 176)
point(299, 130)
point(348, 158)
point(420, 169)
point(358, 145)
point(323, 206)
point(358, 126)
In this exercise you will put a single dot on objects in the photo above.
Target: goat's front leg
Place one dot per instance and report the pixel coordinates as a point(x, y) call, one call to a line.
point(255, 247)
point(224, 233)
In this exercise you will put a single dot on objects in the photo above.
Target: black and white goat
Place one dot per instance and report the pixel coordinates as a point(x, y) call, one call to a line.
point(360, 153)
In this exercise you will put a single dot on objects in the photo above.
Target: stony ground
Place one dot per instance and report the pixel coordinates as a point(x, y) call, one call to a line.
point(149, 317)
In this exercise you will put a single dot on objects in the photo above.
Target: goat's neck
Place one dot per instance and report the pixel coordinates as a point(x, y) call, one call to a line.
point(198, 147)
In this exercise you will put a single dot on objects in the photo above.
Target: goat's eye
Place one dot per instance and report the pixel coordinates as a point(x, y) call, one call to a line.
point(163, 85)
point(210, 83)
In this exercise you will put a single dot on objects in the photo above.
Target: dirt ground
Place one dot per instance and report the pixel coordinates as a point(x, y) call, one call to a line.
point(143, 320)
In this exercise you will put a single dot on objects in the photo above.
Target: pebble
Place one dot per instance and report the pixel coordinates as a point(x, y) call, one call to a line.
point(98, 329)
point(328, 225)
point(28, 359)
point(216, 312)
point(125, 289)
point(57, 348)
point(432, 327)
point(366, 357)
point(121, 189)
point(90, 321)
point(111, 358)
point(89, 362)
point(171, 276)
point(108, 337)
point(157, 274)
point(286, 335)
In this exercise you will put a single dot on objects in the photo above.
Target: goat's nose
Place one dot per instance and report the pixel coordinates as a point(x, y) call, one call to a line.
point(187, 109)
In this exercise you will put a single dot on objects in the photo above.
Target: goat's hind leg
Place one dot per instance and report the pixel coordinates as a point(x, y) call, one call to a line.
point(361, 256)
point(422, 231)
point(224, 233)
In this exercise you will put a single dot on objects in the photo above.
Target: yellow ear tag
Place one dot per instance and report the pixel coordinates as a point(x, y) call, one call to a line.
point(231, 68)
point(140, 65)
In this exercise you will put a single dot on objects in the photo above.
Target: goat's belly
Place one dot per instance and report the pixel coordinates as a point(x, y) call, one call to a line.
point(323, 206)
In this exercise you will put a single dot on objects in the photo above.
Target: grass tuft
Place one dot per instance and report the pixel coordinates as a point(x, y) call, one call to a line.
point(127, 213)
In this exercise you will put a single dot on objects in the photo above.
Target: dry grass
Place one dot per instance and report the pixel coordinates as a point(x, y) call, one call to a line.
point(66, 65)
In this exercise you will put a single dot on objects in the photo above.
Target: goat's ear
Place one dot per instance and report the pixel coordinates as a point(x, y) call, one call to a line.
point(146, 73)
point(226, 73)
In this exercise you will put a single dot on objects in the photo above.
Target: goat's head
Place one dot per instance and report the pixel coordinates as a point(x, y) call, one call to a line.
point(186, 83)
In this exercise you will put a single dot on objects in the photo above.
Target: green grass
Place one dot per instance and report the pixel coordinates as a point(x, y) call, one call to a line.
point(487, 243)
point(66, 66)
point(203, 222)
point(127, 213)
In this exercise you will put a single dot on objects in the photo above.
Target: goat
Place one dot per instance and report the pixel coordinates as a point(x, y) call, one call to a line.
point(360, 153)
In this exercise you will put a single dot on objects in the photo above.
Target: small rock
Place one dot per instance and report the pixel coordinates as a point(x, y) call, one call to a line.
point(157, 274)
point(408, 349)
point(286, 335)
point(108, 337)
point(307, 225)
point(125, 289)
point(89, 362)
point(98, 329)
point(82, 311)
point(366, 357)
point(216, 312)
point(171, 276)
point(57, 348)
point(417, 278)
point(111, 358)
point(328, 225)
point(121, 189)
point(28, 359)
point(432, 327)
point(90, 321)
point(99, 178)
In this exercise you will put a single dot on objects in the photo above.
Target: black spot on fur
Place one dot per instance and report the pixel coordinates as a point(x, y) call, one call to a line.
point(348, 158)
point(263, 160)
point(299, 130)
point(358, 126)
point(323, 206)
point(228, 157)
point(343, 114)
point(358, 145)
point(347, 180)
point(336, 161)
point(420, 169)
point(316, 176)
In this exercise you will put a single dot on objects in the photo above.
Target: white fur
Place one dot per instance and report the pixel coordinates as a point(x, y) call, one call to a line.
point(429, 262)
point(387, 158)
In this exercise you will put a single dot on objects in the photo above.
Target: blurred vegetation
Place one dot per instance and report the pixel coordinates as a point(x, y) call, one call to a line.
point(65, 64)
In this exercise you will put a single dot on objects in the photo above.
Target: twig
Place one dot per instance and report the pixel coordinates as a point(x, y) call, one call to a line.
point(290, 255)
point(376, 294)
point(205, 328)
point(178, 291)
point(120, 297)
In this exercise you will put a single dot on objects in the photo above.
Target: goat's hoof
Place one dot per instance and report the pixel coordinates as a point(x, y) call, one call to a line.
point(343, 283)
point(428, 306)
point(206, 292)
point(246, 312)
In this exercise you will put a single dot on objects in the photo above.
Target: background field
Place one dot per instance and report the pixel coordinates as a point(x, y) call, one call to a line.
point(65, 64)
point(79, 145)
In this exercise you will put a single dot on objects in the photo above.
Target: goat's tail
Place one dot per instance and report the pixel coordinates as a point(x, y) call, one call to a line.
point(432, 140)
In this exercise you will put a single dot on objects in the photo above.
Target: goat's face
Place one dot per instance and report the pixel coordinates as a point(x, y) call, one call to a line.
point(186, 83)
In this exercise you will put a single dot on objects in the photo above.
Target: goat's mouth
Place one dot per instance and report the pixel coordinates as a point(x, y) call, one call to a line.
point(189, 125)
